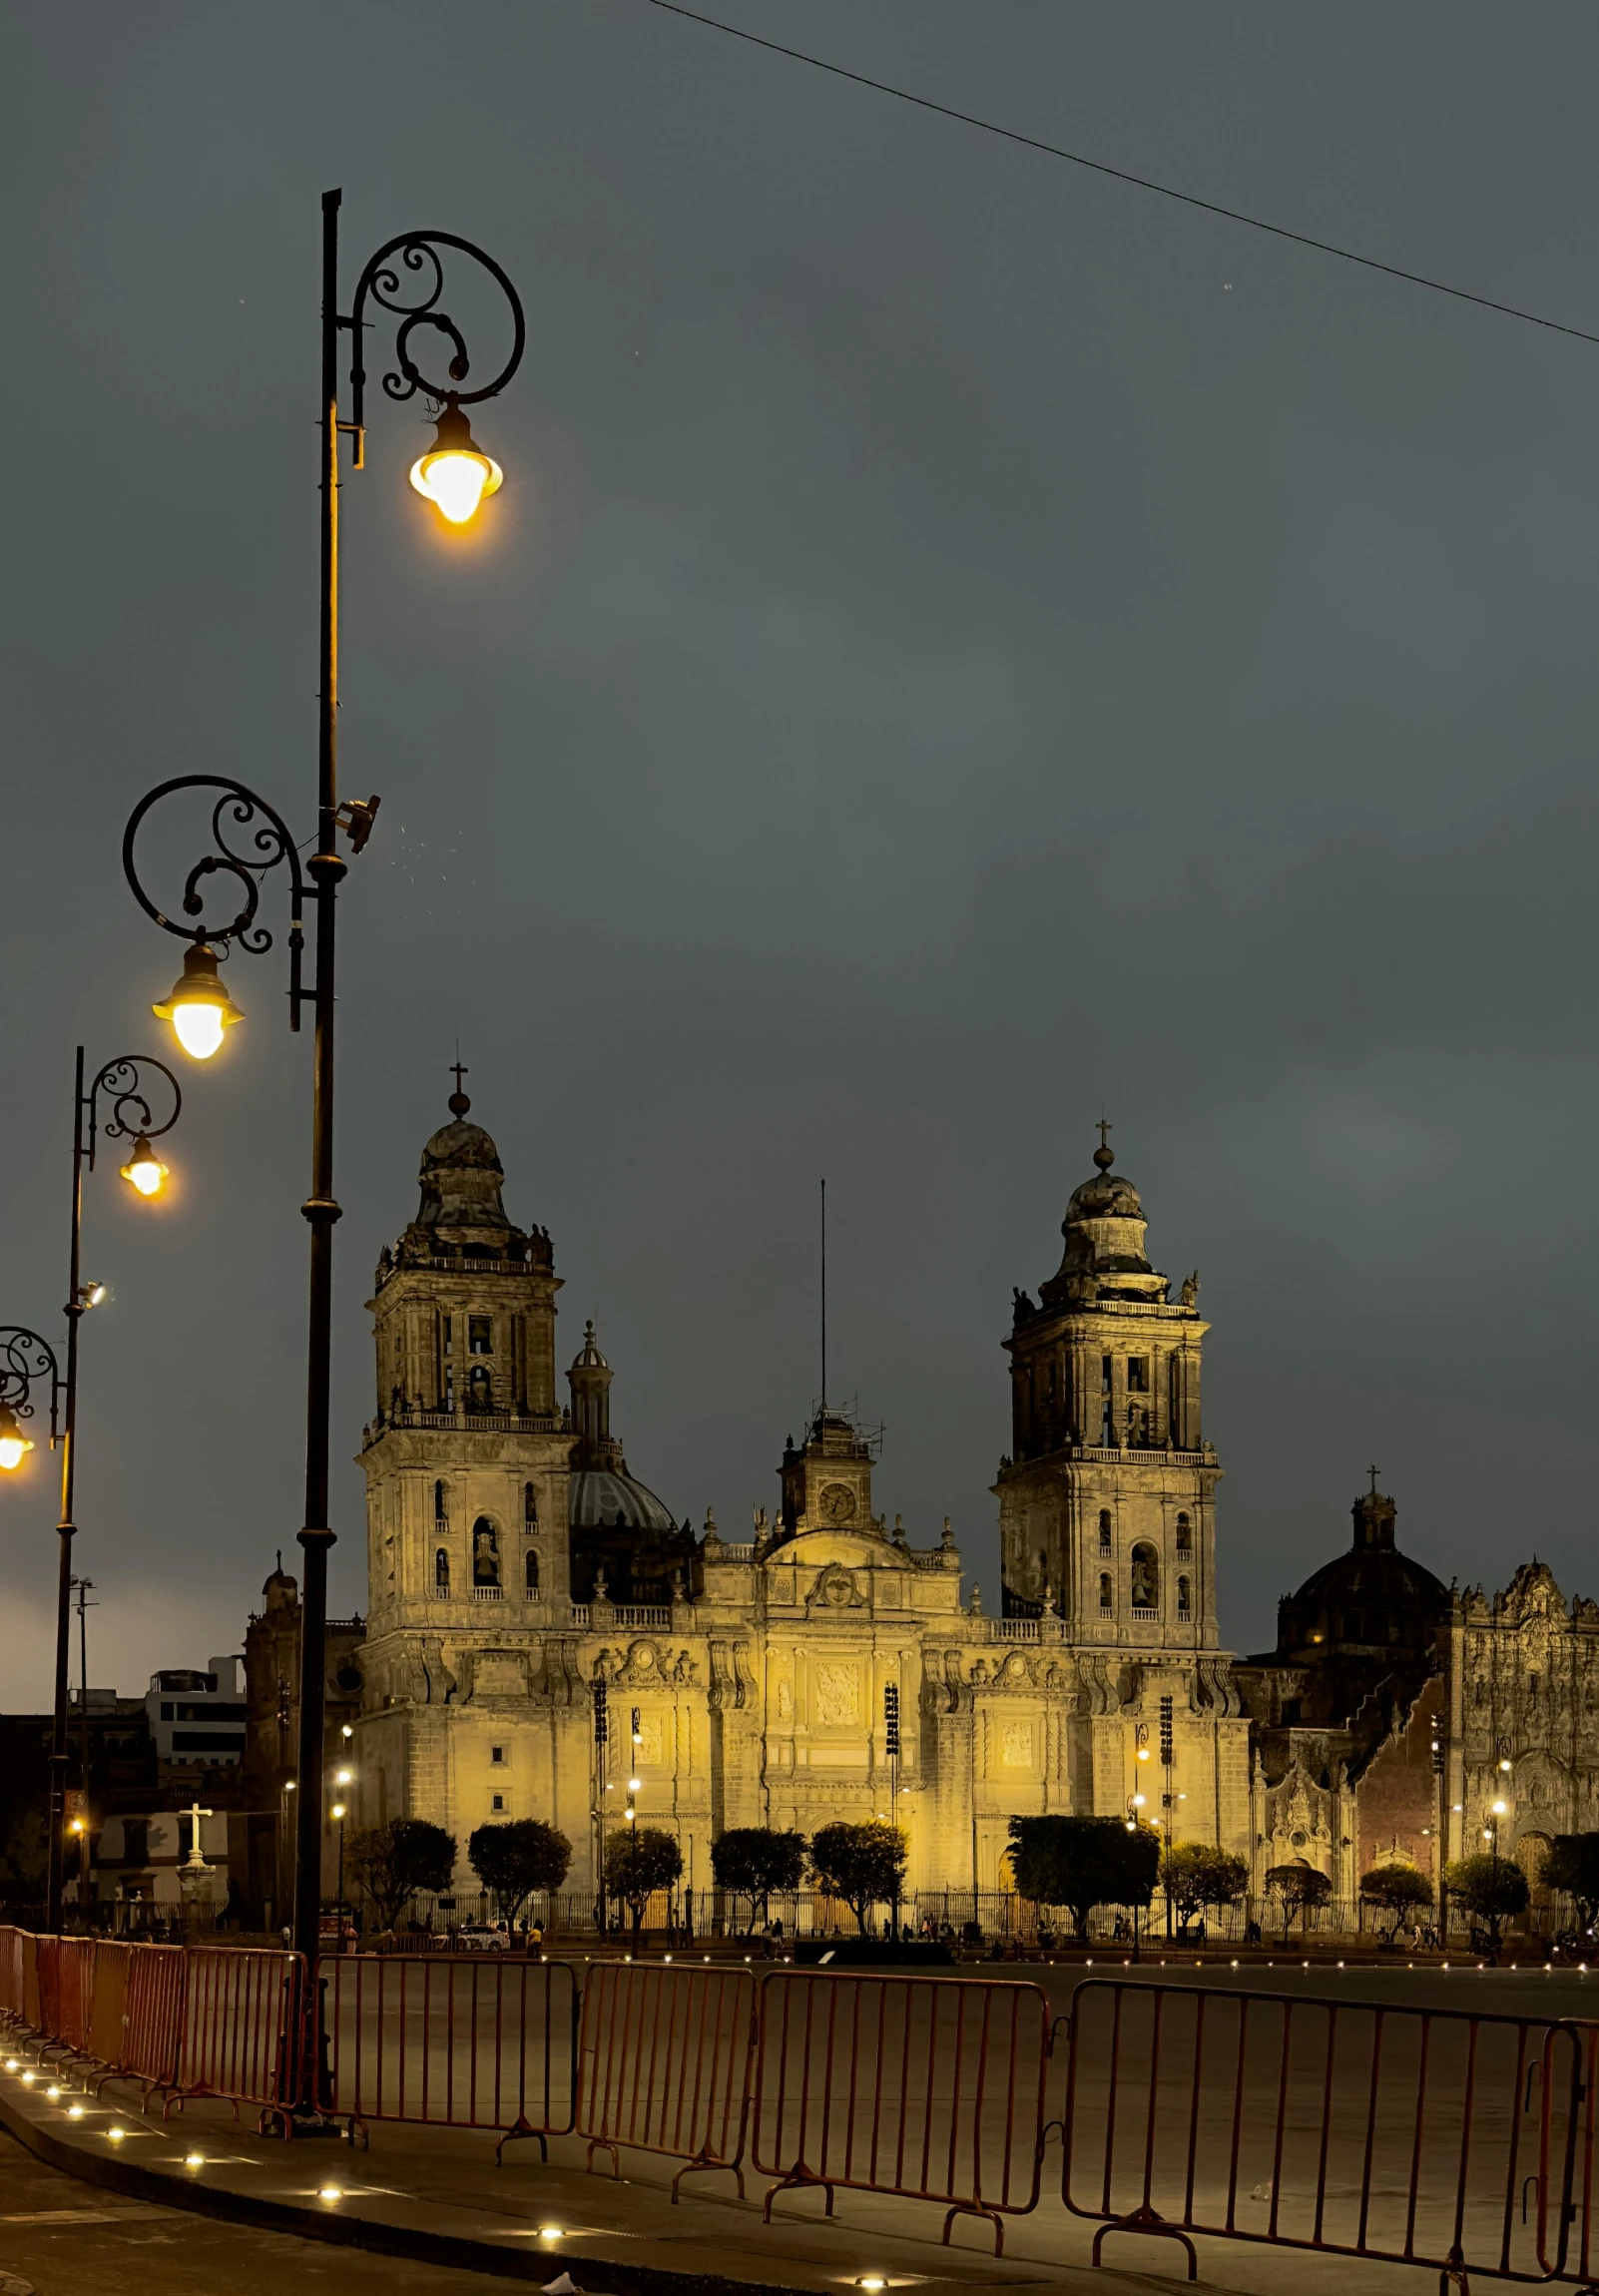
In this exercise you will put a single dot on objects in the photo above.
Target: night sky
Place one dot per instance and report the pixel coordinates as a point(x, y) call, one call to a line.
point(962, 643)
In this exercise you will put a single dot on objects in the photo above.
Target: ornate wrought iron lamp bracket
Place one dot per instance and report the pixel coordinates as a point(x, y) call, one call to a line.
point(266, 846)
point(25, 1359)
point(381, 285)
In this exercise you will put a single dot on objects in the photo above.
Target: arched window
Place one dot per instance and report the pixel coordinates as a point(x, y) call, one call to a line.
point(442, 1571)
point(485, 1554)
point(1107, 1593)
point(1144, 1577)
point(532, 1570)
point(480, 1389)
point(439, 1508)
point(1185, 1606)
point(1184, 1536)
point(530, 1503)
point(1104, 1531)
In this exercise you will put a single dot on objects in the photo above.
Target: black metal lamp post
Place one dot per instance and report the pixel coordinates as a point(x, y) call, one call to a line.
point(126, 1083)
point(405, 279)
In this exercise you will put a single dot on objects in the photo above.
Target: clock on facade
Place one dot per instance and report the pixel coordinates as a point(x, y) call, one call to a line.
point(836, 1503)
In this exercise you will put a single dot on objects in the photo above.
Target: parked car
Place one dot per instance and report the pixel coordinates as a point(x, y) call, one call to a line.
point(479, 1937)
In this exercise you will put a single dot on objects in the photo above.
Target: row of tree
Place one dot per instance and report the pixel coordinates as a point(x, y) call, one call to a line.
point(865, 1865)
point(1073, 1864)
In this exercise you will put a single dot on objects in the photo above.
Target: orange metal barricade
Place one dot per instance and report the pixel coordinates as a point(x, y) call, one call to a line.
point(470, 2044)
point(10, 1972)
point(664, 2064)
point(72, 1962)
point(241, 2030)
point(153, 2024)
point(929, 2087)
point(30, 1983)
point(1407, 2135)
point(1576, 2257)
point(108, 2005)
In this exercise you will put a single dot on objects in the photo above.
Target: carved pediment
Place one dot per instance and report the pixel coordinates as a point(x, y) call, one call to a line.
point(832, 1590)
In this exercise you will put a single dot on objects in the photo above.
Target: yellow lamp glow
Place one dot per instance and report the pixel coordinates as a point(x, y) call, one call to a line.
point(198, 1007)
point(339, 1809)
point(145, 1171)
point(456, 473)
point(14, 1444)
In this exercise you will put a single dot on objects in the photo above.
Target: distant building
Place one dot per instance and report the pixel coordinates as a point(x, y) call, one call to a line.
point(198, 1716)
point(265, 1855)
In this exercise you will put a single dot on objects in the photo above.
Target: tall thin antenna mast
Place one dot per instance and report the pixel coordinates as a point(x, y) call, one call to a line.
point(823, 1294)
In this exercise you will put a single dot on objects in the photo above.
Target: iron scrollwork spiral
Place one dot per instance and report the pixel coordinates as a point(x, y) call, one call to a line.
point(132, 1113)
point(240, 819)
point(383, 284)
point(25, 1359)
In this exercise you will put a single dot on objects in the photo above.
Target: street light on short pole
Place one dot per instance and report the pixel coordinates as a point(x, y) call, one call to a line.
point(404, 280)
point(128, 1085)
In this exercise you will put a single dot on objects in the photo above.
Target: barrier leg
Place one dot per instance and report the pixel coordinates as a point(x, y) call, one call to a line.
point(984, 2217)
point(1145, 2219)
point(604, 2145)
point(702, 2166)
point(796, 2178)
point(522, 2127)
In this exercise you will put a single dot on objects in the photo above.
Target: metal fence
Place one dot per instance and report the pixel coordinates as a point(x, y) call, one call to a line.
point(928, 2088)
point(1413, 2137)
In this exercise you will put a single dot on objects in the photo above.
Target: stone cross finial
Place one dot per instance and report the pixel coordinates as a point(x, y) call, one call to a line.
point(458, 1103)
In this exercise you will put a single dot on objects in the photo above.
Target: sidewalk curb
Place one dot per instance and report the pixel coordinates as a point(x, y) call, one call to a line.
point(450, 2249)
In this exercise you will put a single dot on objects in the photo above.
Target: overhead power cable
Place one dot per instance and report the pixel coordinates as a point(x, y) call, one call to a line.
point(1122, 175)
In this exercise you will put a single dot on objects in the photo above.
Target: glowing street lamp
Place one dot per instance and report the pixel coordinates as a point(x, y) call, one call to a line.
point(14, 1444)
point(144, 1172)
point(456, 473)
point(214, 909)
point(197, 1005)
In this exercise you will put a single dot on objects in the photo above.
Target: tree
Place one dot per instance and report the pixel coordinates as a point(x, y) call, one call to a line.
point(391, 1862)
point(753, 1861)
point(517, 1858)
point(1298, 1888)
point(1395, 1890)
point(1195, 1875)
point(1081, 1863)
point(865, 1865)
point(638, 1861)
point(1493, 1891)
point(1572, 1864)
point(25, 1867)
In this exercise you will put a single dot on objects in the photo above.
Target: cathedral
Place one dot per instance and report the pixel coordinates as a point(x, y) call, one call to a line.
point(541, 1629)
point(539, 1626)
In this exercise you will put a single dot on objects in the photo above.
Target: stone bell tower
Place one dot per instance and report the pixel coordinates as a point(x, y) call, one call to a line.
point(1106, 1502)
point(467, 1459)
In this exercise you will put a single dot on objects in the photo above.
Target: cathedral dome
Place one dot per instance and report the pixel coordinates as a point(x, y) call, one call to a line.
point(1108, 1195)
point(1104, 1231)
point(599, 1496)
point(461, 1175)
point(1370, 1597)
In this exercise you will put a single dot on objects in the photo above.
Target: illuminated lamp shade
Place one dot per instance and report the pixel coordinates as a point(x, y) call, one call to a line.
point(145, 1171)
point(14, 1444)
point(198, 1007)
point(456, 473)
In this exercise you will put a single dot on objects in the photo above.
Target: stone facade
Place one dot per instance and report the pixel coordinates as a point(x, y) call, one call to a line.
point(516, 1569)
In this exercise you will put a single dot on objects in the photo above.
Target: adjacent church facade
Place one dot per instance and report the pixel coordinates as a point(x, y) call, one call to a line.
point(541, 1627)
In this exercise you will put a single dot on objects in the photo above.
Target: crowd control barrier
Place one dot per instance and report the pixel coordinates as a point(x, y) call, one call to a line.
point(664, 2064)
point(11, 1945)
point(1411, 2136)
point(242, 2013)
point(152, 2019)
point(484, 2043)
point(928, 2088)
point(108, 2003)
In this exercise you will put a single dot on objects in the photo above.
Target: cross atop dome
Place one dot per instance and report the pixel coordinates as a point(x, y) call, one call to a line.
point(458, 1101)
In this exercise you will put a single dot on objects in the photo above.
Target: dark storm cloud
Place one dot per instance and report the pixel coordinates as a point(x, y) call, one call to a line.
point(961, 641)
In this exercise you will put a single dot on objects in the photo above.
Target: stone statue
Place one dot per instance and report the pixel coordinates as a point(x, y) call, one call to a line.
point(1189, 1294)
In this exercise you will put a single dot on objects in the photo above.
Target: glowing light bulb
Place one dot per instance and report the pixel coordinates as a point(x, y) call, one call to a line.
point(194, 2160)
point(14, 1448)
point(197, 1005)
point(142, 1171)
point(456, 473)
point(330, 2192)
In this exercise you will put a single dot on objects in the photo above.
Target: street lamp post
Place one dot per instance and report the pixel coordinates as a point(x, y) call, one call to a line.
point(404, 280)
point(132, 1116)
